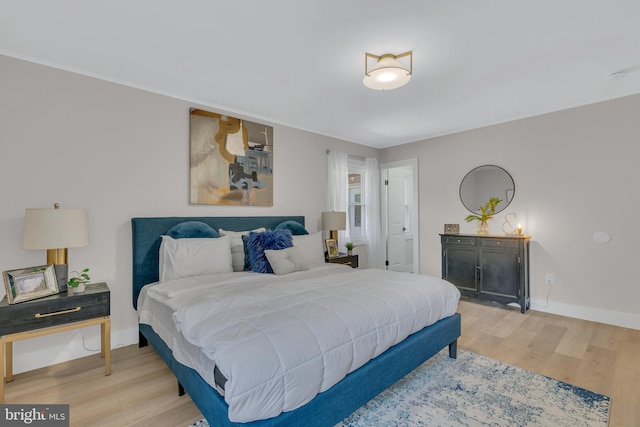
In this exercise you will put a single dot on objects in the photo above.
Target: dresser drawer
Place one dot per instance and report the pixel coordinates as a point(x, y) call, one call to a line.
point(459, 240)
point(499, 243)
point(55, 310)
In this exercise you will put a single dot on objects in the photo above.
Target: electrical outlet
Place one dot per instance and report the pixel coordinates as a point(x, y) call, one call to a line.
point(548, 278)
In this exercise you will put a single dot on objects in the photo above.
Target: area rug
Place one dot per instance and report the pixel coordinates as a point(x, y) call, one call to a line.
point(473, 390)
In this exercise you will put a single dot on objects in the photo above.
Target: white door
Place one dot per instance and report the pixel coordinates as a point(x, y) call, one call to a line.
point(400, 219)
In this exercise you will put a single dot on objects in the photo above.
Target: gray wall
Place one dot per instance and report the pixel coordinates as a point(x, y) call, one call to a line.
point(575, 174)
point(118, 152)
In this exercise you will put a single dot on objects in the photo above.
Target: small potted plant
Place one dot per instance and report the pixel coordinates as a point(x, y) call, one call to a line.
point(349, 246)
point(486, 213)
point(77, 284)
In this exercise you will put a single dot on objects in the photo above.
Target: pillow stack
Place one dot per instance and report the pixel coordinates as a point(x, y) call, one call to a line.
point(257, 243)
point(193, 248)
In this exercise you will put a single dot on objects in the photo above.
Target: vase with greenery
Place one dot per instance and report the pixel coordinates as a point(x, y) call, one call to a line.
point(349, 247)
point(78, 283)
point(486, 213)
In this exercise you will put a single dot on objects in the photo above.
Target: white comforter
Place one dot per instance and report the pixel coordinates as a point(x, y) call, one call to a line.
point(281, 340)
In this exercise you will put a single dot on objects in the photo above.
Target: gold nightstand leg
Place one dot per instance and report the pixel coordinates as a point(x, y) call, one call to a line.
point(1, 371)
point(9, 356)
point(105, 351)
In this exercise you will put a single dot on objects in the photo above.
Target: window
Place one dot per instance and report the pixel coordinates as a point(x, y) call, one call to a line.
point(356, 198)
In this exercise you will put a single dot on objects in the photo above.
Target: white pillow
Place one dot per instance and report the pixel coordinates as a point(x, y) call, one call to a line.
point(194, 257)
point(311, 247)
point(237, 247)
point(285, 261)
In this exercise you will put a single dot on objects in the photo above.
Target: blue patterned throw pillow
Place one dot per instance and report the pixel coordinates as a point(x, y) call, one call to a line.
point(256, 243)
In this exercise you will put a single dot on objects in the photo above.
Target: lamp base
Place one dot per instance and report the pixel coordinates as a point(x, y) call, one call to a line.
point(62, 276)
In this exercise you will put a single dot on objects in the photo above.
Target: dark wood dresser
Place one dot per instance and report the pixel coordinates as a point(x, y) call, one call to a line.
point(490, 268)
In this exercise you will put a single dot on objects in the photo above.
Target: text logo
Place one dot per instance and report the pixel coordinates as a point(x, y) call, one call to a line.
point(34, 415)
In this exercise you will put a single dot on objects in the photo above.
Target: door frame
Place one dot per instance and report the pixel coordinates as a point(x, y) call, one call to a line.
point(415, 211)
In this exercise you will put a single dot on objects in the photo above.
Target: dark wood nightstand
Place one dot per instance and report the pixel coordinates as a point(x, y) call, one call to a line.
point(351, 260)
point(56, 313)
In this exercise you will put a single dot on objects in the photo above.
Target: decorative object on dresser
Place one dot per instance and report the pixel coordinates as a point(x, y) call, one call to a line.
point(334, 221)
point(231, 160)
point(507, 227)
point(491, 268)
point(486, 213)
point(346, 259)
point(55, 313)
point(78, 284)
point(349, 246)
point(451, 228)
point(55, 230)
point(26, 284)
point(332, 248)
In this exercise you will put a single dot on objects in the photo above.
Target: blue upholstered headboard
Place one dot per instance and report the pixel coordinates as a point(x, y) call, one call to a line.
point(146, 239)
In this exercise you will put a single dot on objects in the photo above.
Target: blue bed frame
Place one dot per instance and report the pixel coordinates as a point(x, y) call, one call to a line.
point(327, 408)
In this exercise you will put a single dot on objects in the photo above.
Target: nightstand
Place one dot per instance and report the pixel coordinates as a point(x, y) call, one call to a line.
point(56, 313)
point(351, 260)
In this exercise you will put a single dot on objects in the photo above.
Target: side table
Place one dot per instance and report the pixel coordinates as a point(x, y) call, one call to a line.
point(350, 260)
point(55, 313)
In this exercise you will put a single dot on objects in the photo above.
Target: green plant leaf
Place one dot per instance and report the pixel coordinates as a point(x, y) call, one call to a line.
point(486, 211)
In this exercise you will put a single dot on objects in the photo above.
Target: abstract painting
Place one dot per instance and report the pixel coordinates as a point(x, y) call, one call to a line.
point(231, 160)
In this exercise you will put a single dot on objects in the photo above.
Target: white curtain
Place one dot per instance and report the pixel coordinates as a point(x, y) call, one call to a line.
point(373, 230)
point(337, 190)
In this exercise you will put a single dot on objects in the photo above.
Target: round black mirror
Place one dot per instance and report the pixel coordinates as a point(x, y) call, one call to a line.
point(483, 183)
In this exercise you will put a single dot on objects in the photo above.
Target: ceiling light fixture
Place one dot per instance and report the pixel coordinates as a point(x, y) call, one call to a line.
point(388, 73)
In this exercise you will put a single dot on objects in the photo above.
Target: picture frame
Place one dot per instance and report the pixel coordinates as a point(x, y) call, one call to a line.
point(26, 284)
point(452, 229)
point(332, 248)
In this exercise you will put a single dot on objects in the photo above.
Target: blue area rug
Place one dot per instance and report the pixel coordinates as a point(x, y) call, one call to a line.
point(477, 391)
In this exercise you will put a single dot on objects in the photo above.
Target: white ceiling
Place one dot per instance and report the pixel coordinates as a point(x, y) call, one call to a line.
point(300, 63)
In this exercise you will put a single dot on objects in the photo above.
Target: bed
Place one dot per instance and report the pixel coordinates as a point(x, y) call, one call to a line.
point(326, 408)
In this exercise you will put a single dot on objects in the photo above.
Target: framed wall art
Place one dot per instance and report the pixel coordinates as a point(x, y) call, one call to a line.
point(231, 160)
point(26, 284)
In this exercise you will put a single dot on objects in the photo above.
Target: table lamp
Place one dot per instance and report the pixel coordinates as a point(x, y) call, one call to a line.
point(334, 221)
point(55, 230)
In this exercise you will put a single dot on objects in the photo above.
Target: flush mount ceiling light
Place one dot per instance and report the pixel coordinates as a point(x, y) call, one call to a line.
point(388, 73)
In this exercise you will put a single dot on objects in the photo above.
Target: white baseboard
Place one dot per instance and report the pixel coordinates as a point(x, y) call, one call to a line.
point(616, 318)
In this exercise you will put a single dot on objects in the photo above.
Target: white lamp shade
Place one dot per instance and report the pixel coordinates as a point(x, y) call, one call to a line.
point(54, 228)
point(334, 220)
point(387, 74)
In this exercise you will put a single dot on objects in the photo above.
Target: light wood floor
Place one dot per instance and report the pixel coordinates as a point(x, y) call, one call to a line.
point(141, 391)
